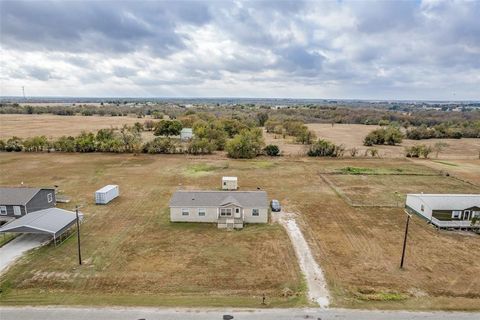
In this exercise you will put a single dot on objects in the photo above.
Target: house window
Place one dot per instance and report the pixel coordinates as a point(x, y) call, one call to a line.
point(255, 212)
point(17, 211)
point(237, 210)
point(225, 212)
point(224, 183)
point(475, 214)
point(422, 208)
point(3, 210)
point(49, 197)
point(456, 214)
point(185, 212)
point(201, 212)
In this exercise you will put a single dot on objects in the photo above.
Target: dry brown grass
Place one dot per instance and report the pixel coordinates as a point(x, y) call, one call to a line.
point(53, 126)
point(130, 247)
point(351, 136)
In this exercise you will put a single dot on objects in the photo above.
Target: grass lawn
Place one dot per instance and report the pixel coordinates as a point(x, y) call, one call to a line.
point(135, 256)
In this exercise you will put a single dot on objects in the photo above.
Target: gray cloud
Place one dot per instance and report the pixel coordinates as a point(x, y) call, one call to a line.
point(383, 48)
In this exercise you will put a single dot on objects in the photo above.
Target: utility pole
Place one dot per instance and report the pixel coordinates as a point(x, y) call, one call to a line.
point(405, 240)
point(78, 237)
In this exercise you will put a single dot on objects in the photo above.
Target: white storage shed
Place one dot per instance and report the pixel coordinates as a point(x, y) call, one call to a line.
point(107, 194)
point(229, 183)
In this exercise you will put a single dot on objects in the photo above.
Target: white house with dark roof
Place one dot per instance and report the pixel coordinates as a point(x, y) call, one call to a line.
point(17, 202)
point(446, 210)
point(229, 209)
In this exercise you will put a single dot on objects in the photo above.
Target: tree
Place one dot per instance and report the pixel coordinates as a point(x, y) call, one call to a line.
point(262, 117)
point(438, 147)
point(85, 142)
point(160, 145)
point(272, 150)
point(168, 128)
point(212, 131)
point(65, 144)
point(200, 146)
point(131, 138)
point(324, 148)
point(306, 136)
point(14, 144)
point(246, 145)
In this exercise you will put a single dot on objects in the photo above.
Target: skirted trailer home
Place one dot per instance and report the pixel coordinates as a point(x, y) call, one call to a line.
point(457, 211)
point(17, 202)
point(229, 209)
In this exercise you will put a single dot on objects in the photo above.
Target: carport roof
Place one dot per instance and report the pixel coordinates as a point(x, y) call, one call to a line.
point(53, 221)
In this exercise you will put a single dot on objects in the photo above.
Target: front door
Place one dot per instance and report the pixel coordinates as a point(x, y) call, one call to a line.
point(238, 213)
point(466, 215)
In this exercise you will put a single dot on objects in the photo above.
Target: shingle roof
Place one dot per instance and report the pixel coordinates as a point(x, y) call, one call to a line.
point(217, 198)
point(449, 201)
point(51, 220)
point(17, 196)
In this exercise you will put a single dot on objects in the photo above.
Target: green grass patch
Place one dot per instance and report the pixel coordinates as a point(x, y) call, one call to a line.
point(372, 295)
point(446, 163)
point(356, 170)
point(202, 169)
point(6, 238)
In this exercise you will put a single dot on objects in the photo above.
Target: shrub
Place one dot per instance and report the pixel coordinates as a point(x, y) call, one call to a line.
point(200, 146)
point(160, 145)
point(272, 150)
point(417, 151)
point(14, 144)
point(168, 128)
point(323, 148)
point(390, 135)
point(246, 145)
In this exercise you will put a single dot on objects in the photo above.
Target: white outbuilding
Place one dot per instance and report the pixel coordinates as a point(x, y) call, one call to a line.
point(107, 194)
point(186, 134)
point(229, 183)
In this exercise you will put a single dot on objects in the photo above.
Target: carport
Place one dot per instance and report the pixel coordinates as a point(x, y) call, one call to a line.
point(51, 221)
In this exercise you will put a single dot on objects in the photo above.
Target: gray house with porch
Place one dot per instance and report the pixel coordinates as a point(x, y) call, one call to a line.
point(446, 210)
point(228, 209)
point(17, 202)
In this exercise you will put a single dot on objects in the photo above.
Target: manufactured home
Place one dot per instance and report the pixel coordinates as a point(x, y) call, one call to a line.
point(446, 210)
point(17, 202)
point(228, 209)
point(229, 183)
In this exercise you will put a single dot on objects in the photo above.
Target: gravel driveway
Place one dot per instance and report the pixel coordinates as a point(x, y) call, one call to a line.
point(317, 286)
point(13, 250)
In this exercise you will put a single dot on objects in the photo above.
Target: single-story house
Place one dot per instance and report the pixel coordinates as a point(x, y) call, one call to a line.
point(229, 209)
point(186, 134)
point(446, 210)
point(17, 202)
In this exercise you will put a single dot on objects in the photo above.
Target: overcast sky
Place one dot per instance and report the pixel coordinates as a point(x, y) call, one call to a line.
point(339, 49)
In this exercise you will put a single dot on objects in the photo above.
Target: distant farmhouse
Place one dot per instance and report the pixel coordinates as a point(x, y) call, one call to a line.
point(186, 134)
point(17, 202)
point(229, 209)
point(446, 210)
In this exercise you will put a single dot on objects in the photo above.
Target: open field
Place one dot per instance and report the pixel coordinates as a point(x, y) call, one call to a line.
point(468, 170)
point(351, 135)
point(390, 190)
point(134, 256)
point(53, 126)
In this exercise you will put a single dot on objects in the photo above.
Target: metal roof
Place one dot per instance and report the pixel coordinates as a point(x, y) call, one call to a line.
point(230, 178)
point(448, 201)
point(107, 188)
point(187, 130)
point(247, 199)
point(17, 196)
point(53, 221)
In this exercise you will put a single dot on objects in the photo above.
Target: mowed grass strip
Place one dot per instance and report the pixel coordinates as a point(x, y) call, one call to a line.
point(130, 247)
